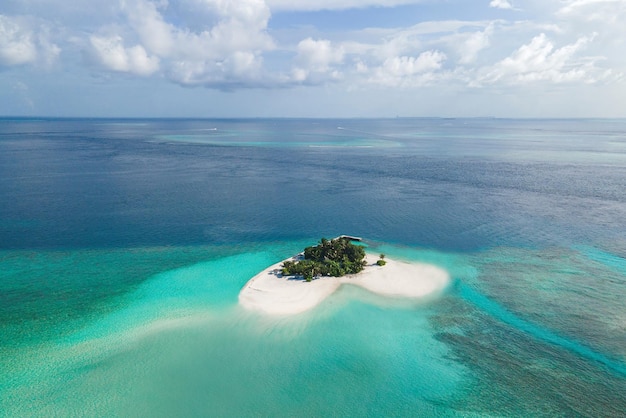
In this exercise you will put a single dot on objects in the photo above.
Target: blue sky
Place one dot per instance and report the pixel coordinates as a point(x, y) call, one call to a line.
point(323, 58)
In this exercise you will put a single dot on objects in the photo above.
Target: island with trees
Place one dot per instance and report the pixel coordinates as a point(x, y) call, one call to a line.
point(301, 282)
point(336, 258)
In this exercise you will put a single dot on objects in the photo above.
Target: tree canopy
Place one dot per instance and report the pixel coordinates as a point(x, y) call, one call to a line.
point(336, 257)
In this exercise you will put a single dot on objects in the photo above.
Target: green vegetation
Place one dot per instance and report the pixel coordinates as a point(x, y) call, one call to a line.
point(381, 261)
point(336, 257)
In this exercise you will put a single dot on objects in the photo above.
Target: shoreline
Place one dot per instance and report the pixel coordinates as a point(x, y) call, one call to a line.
point(271, 293)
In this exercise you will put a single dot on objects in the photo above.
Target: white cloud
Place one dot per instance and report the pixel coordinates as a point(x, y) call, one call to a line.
point(238, 70)
point(234, 45)
point(408, 70)
point(316, 61)
point(16, 44)
point(605, 19)
point(408, 66)
point(575, 6)
point(228, 46)
point(475, 43)
point(145, 18)
point(21, 44)
point(232, 25)
point(539, 60)
point(318, 55)
point(308, 5)
point(501, 4)
point(453, 37)
point(111, 53)
point(602, 12)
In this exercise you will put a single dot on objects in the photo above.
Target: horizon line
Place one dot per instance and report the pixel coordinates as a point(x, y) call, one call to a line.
point(7, 117)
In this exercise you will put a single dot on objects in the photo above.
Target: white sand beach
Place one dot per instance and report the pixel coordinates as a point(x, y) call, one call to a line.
point(272, 293)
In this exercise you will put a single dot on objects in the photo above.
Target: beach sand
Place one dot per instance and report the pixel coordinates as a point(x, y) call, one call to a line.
point(272, 293)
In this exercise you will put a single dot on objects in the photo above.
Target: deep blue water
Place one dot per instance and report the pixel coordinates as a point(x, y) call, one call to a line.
point(108, 227)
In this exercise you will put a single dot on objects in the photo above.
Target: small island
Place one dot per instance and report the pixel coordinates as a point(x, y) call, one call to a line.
point(301, 282)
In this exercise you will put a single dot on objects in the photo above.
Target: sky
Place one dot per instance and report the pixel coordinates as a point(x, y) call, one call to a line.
point(304, 58)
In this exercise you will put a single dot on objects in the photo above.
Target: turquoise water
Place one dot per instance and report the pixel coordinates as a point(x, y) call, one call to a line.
point(124, 246)
point(179, 344)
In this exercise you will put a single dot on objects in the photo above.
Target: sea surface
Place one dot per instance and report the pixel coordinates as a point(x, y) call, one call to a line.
point(124, 244)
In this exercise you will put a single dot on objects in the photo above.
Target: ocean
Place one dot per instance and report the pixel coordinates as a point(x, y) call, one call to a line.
point(124, 244)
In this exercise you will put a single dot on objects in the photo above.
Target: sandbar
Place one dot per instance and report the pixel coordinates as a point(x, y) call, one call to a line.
point(271, 293)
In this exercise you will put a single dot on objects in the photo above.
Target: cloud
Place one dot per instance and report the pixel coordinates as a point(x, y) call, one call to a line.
point(238, 70)
point(16, 43)
point(408, 66)
point(501, 4)
point(574, 6)
point(235, 45)
point(318, 55)
point(233, 26)
point(308, 5)
point(228, 46)
point(602, 19)
point(602, 11)
point(408, 70)
point(475, 43)
point(20, 44)
point(539, 61)
point(316, 61)
point(111, 53)
point(146, 20)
